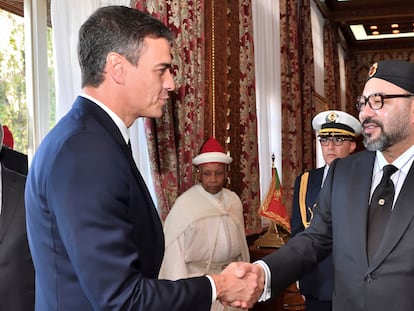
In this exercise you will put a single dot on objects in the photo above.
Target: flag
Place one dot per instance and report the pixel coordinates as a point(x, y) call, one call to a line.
point(273, 207)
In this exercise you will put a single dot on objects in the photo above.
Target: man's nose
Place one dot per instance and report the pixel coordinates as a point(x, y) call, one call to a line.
point(169, 83)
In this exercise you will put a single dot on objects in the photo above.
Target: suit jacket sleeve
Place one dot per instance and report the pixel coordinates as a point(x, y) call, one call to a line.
point(306, 249)
point(96, 203)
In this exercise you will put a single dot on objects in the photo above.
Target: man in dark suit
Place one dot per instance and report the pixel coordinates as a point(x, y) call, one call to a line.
point(11, 158)
point(95, 235)
point(16, 267)
point(337, 131)
point(14, 160)
point(366, 279)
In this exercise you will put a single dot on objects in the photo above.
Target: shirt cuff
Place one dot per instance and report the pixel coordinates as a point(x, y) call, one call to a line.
point(213, 289)
point(267, 292)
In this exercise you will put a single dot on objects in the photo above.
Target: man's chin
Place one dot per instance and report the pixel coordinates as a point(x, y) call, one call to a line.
point(373, 144)
point(155, 114)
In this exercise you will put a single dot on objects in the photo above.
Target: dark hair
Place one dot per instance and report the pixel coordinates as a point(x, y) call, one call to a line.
point(115, 29)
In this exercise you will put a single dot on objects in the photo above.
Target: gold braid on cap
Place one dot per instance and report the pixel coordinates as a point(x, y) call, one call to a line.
point(335, 131)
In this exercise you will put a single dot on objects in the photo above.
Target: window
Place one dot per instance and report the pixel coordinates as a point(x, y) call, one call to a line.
point(13, 105)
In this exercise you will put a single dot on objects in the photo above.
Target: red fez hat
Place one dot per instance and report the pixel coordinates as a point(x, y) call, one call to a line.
point(212, 152)
point(8, 137)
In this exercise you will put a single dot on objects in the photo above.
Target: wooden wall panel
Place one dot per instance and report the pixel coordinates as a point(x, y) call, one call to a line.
point(222, 80)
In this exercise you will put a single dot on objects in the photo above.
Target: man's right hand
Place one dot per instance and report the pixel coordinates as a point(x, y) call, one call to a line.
point(240, 284)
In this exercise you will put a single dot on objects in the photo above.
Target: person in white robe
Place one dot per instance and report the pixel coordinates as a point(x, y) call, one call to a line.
point(204, 230)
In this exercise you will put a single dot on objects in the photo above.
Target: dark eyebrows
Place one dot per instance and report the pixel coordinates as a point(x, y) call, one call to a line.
point(165, 65)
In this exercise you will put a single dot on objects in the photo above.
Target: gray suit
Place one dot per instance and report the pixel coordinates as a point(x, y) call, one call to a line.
point(16, 268)
point(340, 225)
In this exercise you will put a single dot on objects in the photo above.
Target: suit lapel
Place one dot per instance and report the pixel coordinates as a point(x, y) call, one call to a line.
point(357, 199)
point(314, 187)
point(8, 207)
point(141, 182)
point(400, 219)
point(103, 118)
point(315, 183)
point(361, 186)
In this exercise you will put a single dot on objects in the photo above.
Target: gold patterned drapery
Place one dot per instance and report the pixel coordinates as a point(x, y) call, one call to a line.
point(174, 138)
point(331, 66)
point(215, 95)
point(231, 89)
point(297, 86)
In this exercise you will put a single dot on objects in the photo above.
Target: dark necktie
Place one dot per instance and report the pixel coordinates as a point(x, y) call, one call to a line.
point(129, 148)
point(380, 209)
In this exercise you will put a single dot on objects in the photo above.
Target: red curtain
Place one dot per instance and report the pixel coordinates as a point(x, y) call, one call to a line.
point(174, 139)
point(331, 64)
point(297, 81)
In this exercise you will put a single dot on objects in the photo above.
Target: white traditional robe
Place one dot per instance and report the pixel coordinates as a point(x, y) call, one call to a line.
point(203, 234)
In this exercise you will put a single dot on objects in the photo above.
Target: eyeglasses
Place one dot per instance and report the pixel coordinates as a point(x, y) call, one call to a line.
point(376, 101)
point(337, 141)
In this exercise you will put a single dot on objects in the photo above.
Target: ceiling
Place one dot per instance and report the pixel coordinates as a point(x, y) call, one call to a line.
point(16, 7)
point(368, 13)
point(381, 13)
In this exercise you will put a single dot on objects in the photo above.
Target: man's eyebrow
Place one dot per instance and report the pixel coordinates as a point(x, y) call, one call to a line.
point(165, 65)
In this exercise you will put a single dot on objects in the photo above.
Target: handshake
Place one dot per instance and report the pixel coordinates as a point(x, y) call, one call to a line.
point(240, 284)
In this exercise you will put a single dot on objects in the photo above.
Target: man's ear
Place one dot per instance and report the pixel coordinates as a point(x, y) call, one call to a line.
point(115, 67)
point(412, 110)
